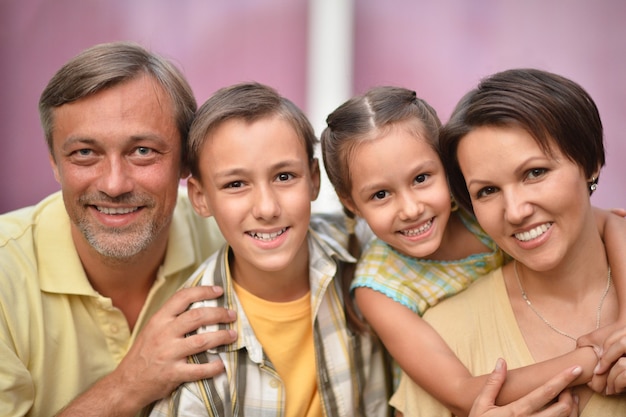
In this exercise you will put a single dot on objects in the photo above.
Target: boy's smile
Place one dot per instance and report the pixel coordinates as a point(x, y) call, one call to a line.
point(258, 183)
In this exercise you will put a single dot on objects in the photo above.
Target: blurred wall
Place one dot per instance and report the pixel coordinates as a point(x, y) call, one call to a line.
point(440, 49)
point(215, 43)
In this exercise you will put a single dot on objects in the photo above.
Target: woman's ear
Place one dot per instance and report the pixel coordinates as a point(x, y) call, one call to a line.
point(198, 198)
point(592, 182)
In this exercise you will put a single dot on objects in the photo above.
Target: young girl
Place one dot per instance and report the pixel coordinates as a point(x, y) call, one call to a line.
point(253, 169)
point(381, 154)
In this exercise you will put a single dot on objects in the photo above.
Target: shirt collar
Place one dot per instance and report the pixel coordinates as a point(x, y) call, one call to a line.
point(60, 268)
point(324, 252)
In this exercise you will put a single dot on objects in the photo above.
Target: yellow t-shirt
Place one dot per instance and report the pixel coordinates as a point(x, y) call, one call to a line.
point(285, 331)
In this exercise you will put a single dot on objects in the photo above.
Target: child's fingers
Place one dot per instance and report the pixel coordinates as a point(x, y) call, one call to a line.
point(614, 348)
point(616, 380)
point(619, 211)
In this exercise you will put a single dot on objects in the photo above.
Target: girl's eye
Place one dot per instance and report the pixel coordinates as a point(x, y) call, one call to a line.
point(483, 192)
point(379, 195)
point(421, 178)
point(536, 173)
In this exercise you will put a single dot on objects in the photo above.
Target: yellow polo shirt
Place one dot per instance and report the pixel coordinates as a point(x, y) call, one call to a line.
point(57, 334)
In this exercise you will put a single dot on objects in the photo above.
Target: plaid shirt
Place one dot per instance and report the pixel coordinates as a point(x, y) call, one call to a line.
point(420, 283)
point(352, 378)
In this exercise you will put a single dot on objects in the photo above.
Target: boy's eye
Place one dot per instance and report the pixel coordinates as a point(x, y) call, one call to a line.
point(284, 176)
point(379, 195)
point(234, 184)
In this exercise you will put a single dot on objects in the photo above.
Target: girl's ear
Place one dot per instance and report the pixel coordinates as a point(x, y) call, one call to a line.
point(349, 204)
point(315, 179)
point(199, 200)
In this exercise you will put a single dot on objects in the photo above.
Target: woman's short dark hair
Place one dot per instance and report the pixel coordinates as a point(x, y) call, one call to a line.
point(555, 111)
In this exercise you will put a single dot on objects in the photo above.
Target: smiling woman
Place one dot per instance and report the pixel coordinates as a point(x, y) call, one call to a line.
point(524, 151)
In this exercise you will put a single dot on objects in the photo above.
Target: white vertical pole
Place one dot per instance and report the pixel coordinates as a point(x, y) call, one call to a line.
point(330, 53)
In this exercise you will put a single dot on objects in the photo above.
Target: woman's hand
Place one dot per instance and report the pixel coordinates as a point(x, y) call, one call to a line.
point(532, 404)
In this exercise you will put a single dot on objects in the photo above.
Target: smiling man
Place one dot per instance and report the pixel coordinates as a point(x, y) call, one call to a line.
point(88, 311)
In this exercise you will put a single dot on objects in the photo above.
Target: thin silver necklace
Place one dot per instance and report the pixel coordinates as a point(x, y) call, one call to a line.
point(562, 333)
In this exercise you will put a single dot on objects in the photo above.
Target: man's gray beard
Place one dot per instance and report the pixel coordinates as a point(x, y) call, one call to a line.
point(120, 244)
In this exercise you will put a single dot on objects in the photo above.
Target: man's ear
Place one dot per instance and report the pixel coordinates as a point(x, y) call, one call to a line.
point(315, 178)
point(199, 200)
point(55, 168)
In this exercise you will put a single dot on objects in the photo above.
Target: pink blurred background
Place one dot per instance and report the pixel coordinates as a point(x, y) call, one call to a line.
point(440, 49)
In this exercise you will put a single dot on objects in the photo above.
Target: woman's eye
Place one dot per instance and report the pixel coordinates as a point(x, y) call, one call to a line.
point(483, 192)
point(536, 173)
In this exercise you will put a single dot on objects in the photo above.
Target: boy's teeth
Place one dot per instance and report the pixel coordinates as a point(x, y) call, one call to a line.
point(121, 210)
point(267, 236)
point(419, 230)
point(533, 233)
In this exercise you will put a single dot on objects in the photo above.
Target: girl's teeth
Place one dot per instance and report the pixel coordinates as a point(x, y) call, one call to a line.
point(423, 228)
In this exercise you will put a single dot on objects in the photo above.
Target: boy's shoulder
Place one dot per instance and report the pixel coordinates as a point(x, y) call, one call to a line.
point(336, 225)
point(212, 271)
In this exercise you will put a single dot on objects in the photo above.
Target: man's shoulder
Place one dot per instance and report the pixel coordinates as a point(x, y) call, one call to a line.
point(19, 223)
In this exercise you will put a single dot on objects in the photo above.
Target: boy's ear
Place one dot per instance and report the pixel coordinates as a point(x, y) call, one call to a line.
point(315, 179)
point(198, 199)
